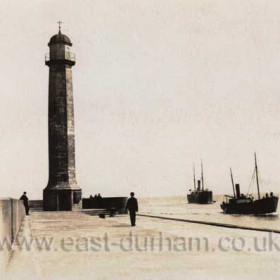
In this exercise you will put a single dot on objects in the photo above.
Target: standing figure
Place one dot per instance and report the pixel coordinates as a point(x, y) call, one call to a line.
point(132, 207)
point(99, 201)
point(24, 198)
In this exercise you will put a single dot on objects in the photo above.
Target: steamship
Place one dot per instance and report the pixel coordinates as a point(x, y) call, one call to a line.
point(199, 195)
point(241, 204)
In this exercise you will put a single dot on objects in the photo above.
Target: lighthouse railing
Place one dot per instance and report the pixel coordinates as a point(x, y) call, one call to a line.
point(70, 56)
point(67, 56)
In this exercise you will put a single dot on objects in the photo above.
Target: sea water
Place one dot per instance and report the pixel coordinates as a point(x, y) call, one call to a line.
point(178, 207)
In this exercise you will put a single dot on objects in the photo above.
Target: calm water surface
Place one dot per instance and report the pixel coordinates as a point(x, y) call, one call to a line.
point(177, 207)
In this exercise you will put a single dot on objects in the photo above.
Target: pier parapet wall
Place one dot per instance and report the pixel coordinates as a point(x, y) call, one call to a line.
point(12, 213)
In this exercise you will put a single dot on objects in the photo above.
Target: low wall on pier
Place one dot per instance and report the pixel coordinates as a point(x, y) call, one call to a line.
point(12, 213)
point(36, 205)
point(119, 203)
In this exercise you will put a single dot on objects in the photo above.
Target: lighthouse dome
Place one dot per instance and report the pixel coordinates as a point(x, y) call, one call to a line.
point(60, 39)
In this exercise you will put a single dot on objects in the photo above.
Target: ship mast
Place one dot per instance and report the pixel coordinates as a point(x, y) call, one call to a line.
point(202, 179)
point(232, 182)
point(257, 176)
point(194, 181)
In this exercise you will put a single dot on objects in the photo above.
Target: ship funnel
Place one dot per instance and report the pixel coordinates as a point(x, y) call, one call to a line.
point(198, 185)
point(237, 187)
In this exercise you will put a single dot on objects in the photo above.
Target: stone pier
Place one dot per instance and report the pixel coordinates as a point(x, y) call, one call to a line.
point(77, 245)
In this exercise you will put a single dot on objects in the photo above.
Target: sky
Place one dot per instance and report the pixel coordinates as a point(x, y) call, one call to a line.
point(158, 85)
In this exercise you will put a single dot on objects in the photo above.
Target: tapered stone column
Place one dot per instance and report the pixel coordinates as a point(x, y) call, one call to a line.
point(62, 192)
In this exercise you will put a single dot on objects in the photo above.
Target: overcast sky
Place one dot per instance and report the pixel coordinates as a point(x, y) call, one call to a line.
point(158, 85)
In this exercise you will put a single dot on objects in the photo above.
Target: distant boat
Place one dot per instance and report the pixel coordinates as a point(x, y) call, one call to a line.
point(200, 195)
point(241, 204)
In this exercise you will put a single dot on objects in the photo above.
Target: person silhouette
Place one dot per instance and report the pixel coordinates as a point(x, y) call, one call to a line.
point(99, 201)
point(24, 198)
point(132, 207)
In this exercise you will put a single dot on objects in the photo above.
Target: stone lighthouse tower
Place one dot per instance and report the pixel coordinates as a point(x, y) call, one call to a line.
point(62, 192)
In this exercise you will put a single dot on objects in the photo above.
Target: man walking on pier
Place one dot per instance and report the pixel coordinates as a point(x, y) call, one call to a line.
point(132, 207)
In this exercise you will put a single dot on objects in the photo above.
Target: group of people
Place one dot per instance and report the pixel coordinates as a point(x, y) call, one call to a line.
point(266, 195)
point(131, 206)
point(96, 196)
point(98, 199)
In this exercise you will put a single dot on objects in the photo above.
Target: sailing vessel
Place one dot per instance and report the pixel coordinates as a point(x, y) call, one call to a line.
point(241, 204)
point(199, 194)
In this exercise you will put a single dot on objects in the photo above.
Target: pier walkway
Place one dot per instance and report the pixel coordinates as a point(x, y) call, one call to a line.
point(77, 245)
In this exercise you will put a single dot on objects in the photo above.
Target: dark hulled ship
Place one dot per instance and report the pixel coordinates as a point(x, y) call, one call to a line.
point(241, 204)
point(199, 194)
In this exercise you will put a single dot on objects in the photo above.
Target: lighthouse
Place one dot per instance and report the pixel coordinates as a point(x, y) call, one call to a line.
point(62, 192)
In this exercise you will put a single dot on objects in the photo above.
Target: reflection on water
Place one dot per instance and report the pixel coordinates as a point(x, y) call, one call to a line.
point(177, 207)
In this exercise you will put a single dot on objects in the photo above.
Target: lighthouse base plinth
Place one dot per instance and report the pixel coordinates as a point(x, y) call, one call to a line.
point(62, 199)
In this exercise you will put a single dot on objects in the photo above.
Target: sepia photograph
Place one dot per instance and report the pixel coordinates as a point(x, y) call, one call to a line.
point(139, 139)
